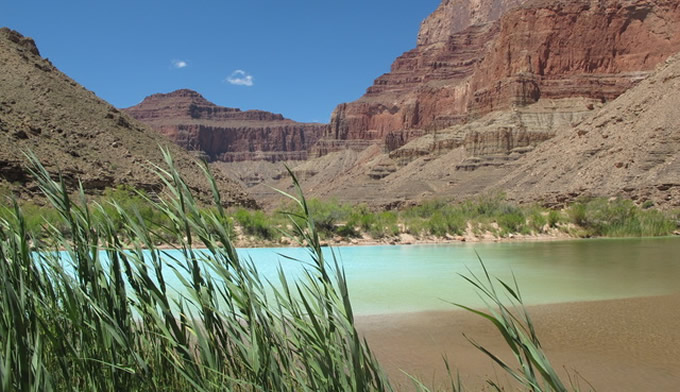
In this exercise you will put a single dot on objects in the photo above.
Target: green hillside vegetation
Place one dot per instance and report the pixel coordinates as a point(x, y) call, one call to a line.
point(587, 218)
point(490, 214)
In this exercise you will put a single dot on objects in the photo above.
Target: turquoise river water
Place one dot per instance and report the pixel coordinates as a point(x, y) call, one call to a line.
point(412, 278)
point(415, 278)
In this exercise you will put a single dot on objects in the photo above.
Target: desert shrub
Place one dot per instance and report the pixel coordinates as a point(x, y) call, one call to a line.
point(376, 224)
point(385, 225)
point(425, 210)
point(578, 214)
point(255, 223)
point(446, 221)
point(328, 215)
point(554, 218)
point(512, 221)
point(361, 216)
point(537, 219)
point(490, 206)
point(619, 218)
point(37, 218)
point(347, 231)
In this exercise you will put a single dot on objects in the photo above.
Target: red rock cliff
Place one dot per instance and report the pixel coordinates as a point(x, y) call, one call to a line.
point(426, 87)
point(578, 48)
point(468, 63)
point(222, 133)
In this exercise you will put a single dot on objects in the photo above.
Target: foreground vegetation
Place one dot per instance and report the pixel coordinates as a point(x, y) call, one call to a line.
point(100, 317)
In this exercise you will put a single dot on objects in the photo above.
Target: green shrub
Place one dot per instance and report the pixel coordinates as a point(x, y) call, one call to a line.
point(376, 224)
point(255, 223)
point(446, 221)
point(578, 214)
point(328, 215)
point(554, 218)
point(385, 225)
point(619, 218)
point(347, 231)
point(511, 219)
point(537, 220)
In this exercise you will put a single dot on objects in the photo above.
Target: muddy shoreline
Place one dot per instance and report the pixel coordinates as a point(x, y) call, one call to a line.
point(620, 345)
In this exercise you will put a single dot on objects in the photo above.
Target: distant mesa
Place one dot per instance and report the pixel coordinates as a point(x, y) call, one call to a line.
point(79, 135)
point(223, 133)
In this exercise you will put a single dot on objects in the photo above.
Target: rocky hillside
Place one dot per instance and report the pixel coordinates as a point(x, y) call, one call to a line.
point(78, 134)
point(225, 134)
point(629, 148)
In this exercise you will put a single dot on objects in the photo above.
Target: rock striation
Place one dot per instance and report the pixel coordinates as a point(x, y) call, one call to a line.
point(629, 148)
point(78, 135)
point(225, 134)
point(578, 48)
point(475, 58)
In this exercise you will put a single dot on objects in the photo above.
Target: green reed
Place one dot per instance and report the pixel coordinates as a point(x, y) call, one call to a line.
point(88, 307)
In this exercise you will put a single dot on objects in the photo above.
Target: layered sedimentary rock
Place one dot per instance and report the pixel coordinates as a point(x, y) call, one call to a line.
point(78, 135)
point(426, 89)
point(501, 136)
point(484, 90)
point(225, 134)
point(579, 48)
point(477, 58)
point(631, 148)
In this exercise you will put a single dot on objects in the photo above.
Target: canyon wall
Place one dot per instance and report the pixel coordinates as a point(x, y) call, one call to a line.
point(225, 134)
point(474, 58)
point(630, 148)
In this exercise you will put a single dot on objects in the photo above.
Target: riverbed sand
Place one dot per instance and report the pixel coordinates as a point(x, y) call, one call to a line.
point(616, 345)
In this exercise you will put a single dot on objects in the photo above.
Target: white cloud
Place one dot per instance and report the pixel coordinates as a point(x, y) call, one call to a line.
point(240, 78)
point(179, 64)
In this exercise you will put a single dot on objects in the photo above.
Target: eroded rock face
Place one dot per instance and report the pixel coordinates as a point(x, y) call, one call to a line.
point(478, 57)
point(577, 48)
point(454, 16)
point(629, 148)
point(426, 89)
point(226, 134)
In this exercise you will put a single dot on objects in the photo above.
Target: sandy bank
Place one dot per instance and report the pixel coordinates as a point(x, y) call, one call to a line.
point(406, 239)
point(617, 345)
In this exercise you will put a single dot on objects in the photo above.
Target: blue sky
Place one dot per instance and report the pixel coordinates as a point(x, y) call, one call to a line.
point(298, 58)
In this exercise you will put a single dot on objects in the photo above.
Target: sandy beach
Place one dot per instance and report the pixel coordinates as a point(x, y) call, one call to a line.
point(616, 345)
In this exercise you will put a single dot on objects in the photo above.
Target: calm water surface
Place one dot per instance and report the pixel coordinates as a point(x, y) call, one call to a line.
point(413, 278)
point(393, 279)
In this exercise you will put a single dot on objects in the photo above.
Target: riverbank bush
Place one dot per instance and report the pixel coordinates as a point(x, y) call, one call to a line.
point(255, 223)
point(490, 214)
point(619, 218)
